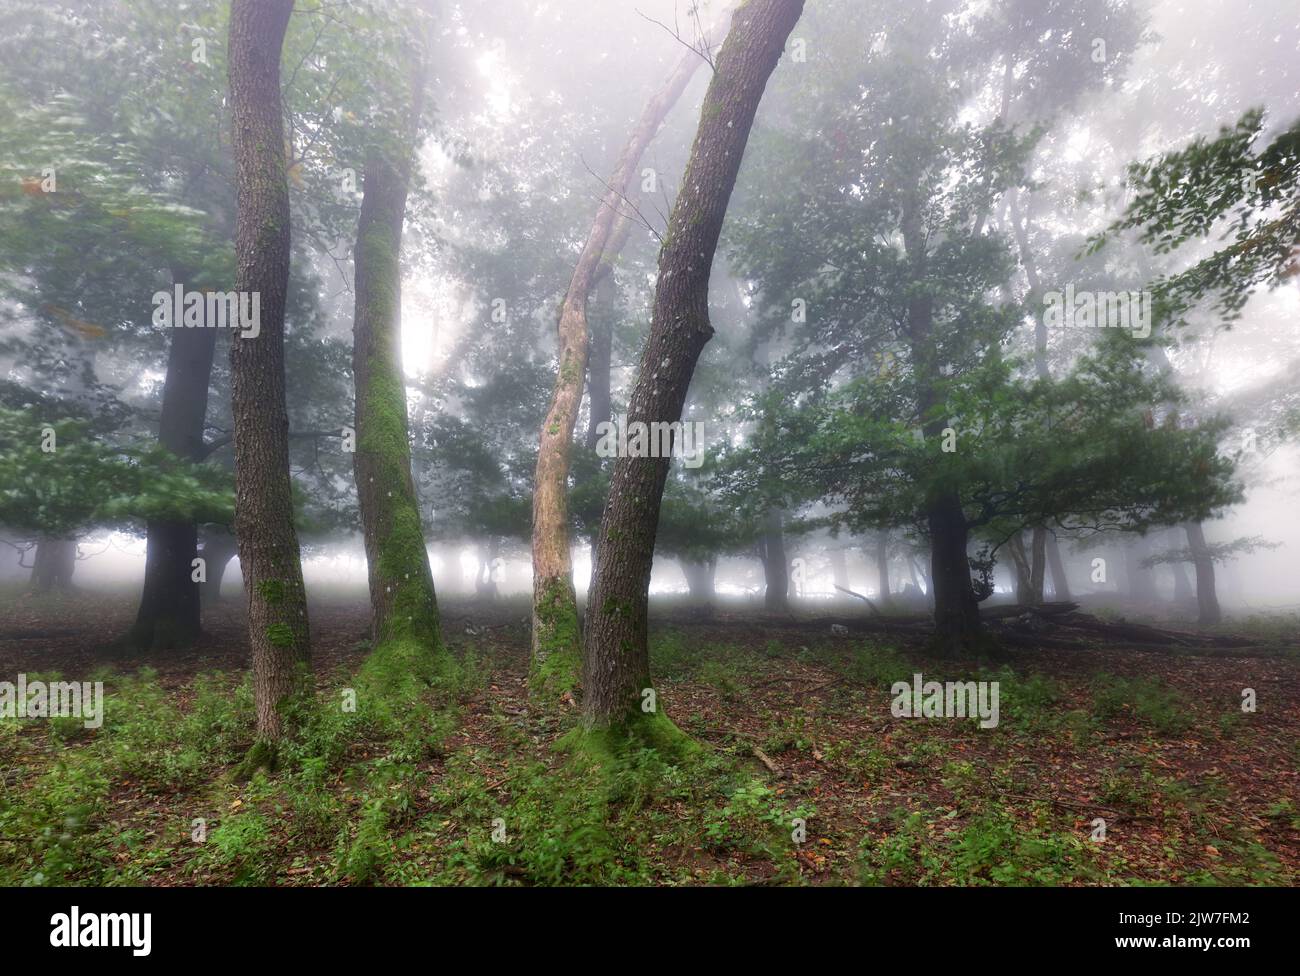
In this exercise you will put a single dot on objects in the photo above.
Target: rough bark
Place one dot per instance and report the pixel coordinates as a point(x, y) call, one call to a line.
point(407, 641)
point(1207, 600)
point(616, 663)
point(168, 616)
point(556, 645)
point(268, 541)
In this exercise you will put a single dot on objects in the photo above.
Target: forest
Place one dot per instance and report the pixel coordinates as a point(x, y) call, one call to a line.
point(700, 443)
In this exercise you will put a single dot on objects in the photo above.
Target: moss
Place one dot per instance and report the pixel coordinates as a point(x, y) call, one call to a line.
point(409, 652)
point(261, 756)
point(280, 635)
point(272, 591)
point(606, 745)
point(557, 640)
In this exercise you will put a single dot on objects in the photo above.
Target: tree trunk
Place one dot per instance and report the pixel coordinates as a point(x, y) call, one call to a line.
point(219, 548)
point(168, 616)
point(1060, 583)
point(268, 541)
point(699, 580)
point(1140, 579)
point(1207, 600)
point(1037, 565)
point(616, 662)
point(840, 568)
point(403, 606)
point(956, 611)
point(600, 362)
point(556, 640)
point(882, 564)
point(53, 564)
point(776, 570)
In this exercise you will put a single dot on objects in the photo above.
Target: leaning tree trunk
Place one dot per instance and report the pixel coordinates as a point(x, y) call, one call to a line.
point(617, 692)
point(600, 361)
point(404, 624)
point(556, 640)
point(168, 616)
point(268, 542)
point(1207, 600)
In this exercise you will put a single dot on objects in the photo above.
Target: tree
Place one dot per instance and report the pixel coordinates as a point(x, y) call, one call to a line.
point(404, 608)
point(555, 640)
point(264, 526)
point(616, 664)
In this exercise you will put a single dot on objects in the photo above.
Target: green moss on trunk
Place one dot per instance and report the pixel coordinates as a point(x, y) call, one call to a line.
point(557, 640)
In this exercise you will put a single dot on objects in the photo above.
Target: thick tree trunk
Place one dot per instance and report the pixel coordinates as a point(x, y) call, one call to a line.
point(168, 616)
point(699, 580)
point(1207, 600)
point(403, 606)
point(882, 564)
point(616, 663)
point(776, 570)
point(956, 611)
point(53, 564)
point(268, 541)
point(556, 641)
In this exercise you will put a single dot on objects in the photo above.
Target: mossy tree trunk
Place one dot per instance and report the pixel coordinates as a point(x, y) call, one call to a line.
point(264, 528)
point(556, 644)
point(617, 690)
point(404, 608)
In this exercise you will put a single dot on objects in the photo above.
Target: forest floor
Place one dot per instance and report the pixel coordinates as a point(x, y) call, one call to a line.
point(796, 727)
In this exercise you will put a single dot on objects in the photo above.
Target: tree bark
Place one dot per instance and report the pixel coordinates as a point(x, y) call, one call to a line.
point(168, 616)
point(556, 644)
point(403, 606)
point(1207, 599)
point(268, 541)
point(616, 662)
